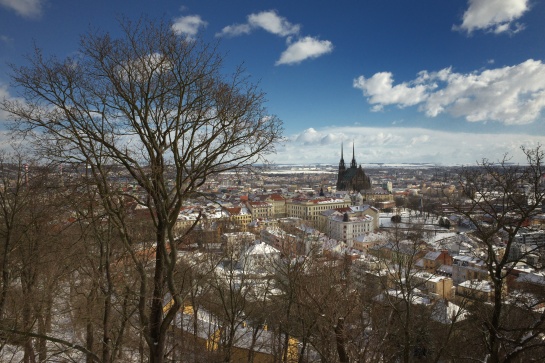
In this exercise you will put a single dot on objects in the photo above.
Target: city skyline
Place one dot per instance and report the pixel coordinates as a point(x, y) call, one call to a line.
point(426, 82)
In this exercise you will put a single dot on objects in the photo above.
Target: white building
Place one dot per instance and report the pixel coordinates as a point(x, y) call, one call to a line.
point(346, 227)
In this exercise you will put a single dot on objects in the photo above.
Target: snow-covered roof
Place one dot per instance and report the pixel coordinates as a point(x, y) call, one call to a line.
point(446, 312)
point(339, 217)
point(479, 285)
point(532, 278)
point(261, 249)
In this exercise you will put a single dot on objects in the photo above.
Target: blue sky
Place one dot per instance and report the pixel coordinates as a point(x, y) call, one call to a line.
point(447, 82)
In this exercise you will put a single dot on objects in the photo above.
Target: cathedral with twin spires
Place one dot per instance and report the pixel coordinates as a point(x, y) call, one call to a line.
point(353, 178)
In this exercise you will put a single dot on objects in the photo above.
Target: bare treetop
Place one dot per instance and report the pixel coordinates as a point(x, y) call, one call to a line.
point(158, 107)
point(147, 95)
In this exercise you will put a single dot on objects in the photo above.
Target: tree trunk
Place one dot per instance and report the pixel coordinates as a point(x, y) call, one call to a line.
point(494, 343)
point(5, 273)
point(340, 341)
point(27, 283)
point(90, 341)
point(106, 317)
point(42, 347)
point(106, 340)
point(157, 338)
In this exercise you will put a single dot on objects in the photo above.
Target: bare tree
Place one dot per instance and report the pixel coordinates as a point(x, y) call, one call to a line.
point(13, 197)
point(100, 298)
point(499, 199)
point(159, 110)
point(37, 256)
point(409, 312)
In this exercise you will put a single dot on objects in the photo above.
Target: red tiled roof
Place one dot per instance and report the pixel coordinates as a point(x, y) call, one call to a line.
point(235, 210)
point(276, 197)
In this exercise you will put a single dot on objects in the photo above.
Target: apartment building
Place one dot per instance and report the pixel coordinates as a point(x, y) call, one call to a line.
point(309, 209)
point(278, 203)
point(466, 268)
point(347, 227)
point(260, 210)
point(479, 290)
point(240, 216)
point(436, 286)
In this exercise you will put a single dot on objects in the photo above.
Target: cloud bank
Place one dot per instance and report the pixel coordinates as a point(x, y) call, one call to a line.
point(24, 8)
point(298, 50)
point(496, 16)
point(401, 145)
point(513, 95)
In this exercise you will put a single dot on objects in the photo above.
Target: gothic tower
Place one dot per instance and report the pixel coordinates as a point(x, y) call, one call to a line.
point(353, 178)
point(342, 167)
point(353, 163)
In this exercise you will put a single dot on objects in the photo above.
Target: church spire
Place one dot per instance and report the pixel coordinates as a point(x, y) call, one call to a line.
point(341, 163)
point(353, 163)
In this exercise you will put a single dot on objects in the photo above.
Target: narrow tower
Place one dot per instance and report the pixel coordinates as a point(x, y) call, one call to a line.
point(342, 167)
point(353, 163)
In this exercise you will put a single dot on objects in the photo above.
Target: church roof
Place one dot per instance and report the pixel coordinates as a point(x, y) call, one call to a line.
point(349, 174)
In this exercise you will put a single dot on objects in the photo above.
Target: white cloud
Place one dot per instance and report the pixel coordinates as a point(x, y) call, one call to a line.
point(497, 16)
point(25, 8)
point(235, 30)
point(6, 137)
point(510, 95)
point(311, 137)
point(308, 136)
point(273, 23)
point(302, 48)
point(269, 21)
point(4, 95)
point(5, 39)
point(188, 25)
point(401, 145)
point(380, 91)
point(305, 48)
